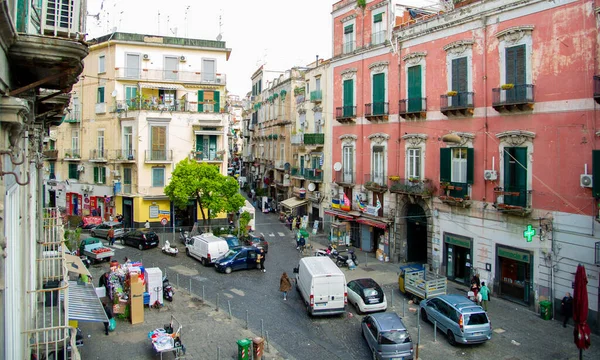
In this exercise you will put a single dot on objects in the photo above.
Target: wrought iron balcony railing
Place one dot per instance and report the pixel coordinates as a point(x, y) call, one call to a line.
point(159, 155)
point(379, 37)
point(98, 155)
point(411, 186)
point(314, 139)
point(377, 109)
point(316, 96)
point(208, 155)
point(315, 175)
point(344, 177)
point(345, 113)
point(72, 154)
point(375, 181)
point(412, 106)
point(170, 75)
point(458, 101)
point(349, 46)
point(522, 94)
point(298, 172)
point(122, 154)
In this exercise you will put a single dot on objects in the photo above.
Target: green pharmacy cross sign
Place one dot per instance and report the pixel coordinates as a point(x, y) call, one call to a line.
point(529, 233)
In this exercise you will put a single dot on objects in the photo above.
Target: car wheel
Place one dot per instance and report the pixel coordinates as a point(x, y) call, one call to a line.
point(423, 315)
point(122, 241)
point(228, 270)
point(141, 247)
point(451, 339)
point(358, 311)
point(204, 262)
point(92, 233)
point(187, 252)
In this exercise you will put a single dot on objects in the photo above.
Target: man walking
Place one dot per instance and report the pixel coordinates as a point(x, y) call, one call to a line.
point(111, 236)
point(567, 308)
point(262, 257)
point(485, 295)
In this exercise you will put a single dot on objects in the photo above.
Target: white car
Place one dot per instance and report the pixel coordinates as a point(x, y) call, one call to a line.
point(366, 296)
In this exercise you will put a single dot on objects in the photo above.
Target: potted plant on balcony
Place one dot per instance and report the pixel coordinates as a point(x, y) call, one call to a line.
point(507, 86)
point(446, 186)
point(67, 155)
point(452, 93)
point(413, 180)
point(394, 178)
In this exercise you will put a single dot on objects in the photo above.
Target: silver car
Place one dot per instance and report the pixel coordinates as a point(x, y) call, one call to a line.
point(387, 336)
point(102, 230)
point(459, 318)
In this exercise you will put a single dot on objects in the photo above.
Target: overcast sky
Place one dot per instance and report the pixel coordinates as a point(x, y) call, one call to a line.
point(278, 33)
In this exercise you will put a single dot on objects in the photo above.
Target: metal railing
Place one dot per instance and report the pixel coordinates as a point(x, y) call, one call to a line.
point(314, 139)
point(297, 139)
point(316, 96)
point(412, 186)
point(348, 47)
point(122, 154)
point(159, 155)
point(98, 154)
point(462, 100)
point(72, 153)
point(298, 172)
point(50, 154)
point(375, 179)
point(344, 177)
point(377, 109)
point(74, 114)
point(345, 112)
point(412, 105)
point(208, 155)
point(170, 75)
point(518, 94)
point(313, 174)
point(378, 37)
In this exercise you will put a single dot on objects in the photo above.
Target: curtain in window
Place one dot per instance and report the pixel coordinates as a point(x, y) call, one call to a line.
point(377, 165)
point(348, 164)
point(414, 163)
point(459, 165)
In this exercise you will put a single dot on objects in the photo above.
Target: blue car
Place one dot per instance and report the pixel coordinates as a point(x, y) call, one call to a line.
point(240, 259)
point(232, 241)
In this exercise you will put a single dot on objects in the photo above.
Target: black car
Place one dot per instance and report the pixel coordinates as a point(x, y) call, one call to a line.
point(257, 241)
point(140, 238)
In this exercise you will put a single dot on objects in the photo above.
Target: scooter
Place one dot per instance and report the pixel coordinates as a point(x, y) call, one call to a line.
point(184, 236)
point(168, 291)
point(343, 260)
point(170, 250)
point(324, 252)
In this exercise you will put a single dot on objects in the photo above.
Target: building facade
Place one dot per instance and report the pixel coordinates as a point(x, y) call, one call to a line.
point(144, 104)
point(475, 132)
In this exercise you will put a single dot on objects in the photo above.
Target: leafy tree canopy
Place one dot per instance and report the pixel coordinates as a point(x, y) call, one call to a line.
point(214, 192)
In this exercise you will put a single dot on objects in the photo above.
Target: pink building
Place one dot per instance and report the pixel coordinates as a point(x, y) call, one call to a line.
point(466, 138)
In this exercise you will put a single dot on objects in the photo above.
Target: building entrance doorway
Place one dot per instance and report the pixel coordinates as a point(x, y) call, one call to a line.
point(416, 234)
point(185, 218)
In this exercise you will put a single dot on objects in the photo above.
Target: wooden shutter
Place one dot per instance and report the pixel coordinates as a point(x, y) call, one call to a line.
point(212, 145)
point(378, 18)
point(470, 165)
point(515, 175)
point(515, 65)
point(199, 142)
point(217, 100)
point(459, 81)
point(102, 171)
point(348, 29)
point(200, 100)
point(378, 94)
point(445, 164)
point(100, 97)
point(96, 177)
point(414, 88)
point(348, 98)
point(596, 173)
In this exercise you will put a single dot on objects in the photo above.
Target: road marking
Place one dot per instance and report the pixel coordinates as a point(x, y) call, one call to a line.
point(281, 234)
point(262, 234)
point(499, 330)
point(271, 234)
point(120, 247)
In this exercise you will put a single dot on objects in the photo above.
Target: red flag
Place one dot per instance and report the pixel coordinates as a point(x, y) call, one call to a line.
point(346, 206)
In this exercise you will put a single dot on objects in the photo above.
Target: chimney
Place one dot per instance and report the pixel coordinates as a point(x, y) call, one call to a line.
point(317, 63)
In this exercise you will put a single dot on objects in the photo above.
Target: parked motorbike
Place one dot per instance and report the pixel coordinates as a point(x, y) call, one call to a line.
point(324, 252)
point(170, 250)
point(184, 236)
point(343, 260)
point(168, 291)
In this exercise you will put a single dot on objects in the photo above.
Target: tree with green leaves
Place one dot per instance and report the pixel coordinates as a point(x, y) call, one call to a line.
point(245, 218)
point(215, 193)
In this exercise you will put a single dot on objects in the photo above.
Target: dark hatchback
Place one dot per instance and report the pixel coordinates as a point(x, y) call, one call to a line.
point(256, 241)
point(140, 238)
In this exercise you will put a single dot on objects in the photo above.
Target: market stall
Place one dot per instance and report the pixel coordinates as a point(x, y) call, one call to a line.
point(168, 339)
point(125, 289)
point(340, 233)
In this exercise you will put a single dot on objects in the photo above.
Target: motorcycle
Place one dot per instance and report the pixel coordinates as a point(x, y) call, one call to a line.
point(168, 291)
point(324, 252)
point(184, 236)
point(170, 250)
point(346, 260)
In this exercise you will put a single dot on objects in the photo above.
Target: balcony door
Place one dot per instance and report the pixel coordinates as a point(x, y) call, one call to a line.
point(348, 98)
point(171, 67)
point(377, 165)
point(132, 66)
point(128, 142)
point(515, 176)
point(159, 143)
point(516, 74)
point(414, 89)
point(378, 94)
point(347, 164)
point(209, 69)
point(459, 82)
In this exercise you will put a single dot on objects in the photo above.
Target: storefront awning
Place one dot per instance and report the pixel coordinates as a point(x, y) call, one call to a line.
point(340, 214)
point(84, 304)
point(293, 203)
point(161, 86)
point(370, 222)
point(208, 132)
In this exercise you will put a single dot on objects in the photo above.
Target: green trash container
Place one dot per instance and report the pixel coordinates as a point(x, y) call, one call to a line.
point(546, 309)
point(244, 349)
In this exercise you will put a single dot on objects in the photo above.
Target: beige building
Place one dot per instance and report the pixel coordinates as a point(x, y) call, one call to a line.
point(143, 104)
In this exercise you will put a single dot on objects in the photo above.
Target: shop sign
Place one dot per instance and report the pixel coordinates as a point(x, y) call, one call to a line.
point(153, 211)
point(127, 202)
point(459, 242)
point(514, 254)
point(529, 233)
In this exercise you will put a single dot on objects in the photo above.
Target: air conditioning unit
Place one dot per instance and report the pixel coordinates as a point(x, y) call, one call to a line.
point(586, 180)
point(182, 58)
point(490, 175)
point(80, 168)
point(121, 106)
point(117, 173)
point(146, 57)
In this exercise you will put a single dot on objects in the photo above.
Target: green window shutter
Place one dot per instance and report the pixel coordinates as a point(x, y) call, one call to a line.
point(199, 142)
point(72, 171)
point(96, 174)
point(515, 175)
point(414, 88)
point(130, 92)
point(100, 95)
point(459, 75)
point(217, 98)
point(212, 143)
point(103, 174)
point(445, 164)
point(596, 173)
point(515, 65)
point(470, 165)
point(348, 29)
point(348, 98)
point(378, 18)
point(200, 100)
point(378, 94)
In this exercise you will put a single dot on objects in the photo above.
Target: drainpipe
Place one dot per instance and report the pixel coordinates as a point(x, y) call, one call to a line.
point(485, 111)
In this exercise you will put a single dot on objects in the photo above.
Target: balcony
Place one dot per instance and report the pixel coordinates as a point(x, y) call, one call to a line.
point(457, 103)
point(300, 99)
point(298, 173)
point(314, 175)
point(511, 97)
point(297, 139)
point(123, 155)
point(597, 88)
point(376, 182)
point(349, 47)
point(208, 156)
point(344, 178)
point(314, 139)
point(126, 188)
point(411, 187)
point(159, 156)
point(513, 201)
point(279, 164)
point(192, 77)
point(455, 194)
point(413, 108)
point(98, 155)
point(378, 38)
point(50, 154)
point(345, 114)
point(72, 155)
point(377, 111)
point(74, 115)
point(100, 108)
point(316, 96)
point(314, 196)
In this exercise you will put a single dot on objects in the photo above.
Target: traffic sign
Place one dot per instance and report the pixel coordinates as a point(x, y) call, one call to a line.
point(163, 221)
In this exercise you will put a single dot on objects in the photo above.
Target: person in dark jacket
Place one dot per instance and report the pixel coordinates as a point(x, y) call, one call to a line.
point(567, 308)
point(109, 314)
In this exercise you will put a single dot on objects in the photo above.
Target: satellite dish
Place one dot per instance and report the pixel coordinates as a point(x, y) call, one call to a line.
point(219, 37)
point(286, 176)
point(337, 166)
point(311, 187)
point(113, 93)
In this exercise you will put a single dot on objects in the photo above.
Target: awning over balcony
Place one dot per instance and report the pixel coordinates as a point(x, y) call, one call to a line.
point(208, 132)
point(293, 203)
point(371, 222)
point(340, 214)
point(84, 304)
point(161, 86)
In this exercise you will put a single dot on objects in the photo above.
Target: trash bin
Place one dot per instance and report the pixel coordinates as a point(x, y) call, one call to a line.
point(244, 349)
point(546, 309)
point(258, 345)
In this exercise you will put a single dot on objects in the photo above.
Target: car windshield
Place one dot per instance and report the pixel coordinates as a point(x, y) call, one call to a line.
point(393, 337)
point(229, 255)
point(477, 319)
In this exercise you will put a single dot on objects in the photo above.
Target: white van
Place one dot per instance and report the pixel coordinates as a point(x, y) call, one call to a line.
point(206, 248)
point(322, 286)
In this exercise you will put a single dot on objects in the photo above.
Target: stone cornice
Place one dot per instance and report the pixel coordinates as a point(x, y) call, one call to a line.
point(414, 57)
point(378, 137)
point(515, 137)
point(348, 18)
point(377, 6)
point(459, 46)
point(348, 138)
point(347, 74)
point(514, 33)
point(415, 139)
point(379, 66)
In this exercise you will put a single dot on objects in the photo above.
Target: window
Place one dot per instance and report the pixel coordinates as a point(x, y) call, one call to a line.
point(379, 95)
point(127, 180)
point(413, 166)
point(73, 173)
point(171, 67)
point(100, 95)
point(209, 70)
point(456, 168)
point(128, 142)
point(348, 39)
point(348, 109)
point(206, 147)
point(377, 165)
point(414, 89)
point(167, 97)
point(52, 169)
point(282, 152)
point(101, 64)
point(319, 122)
point(100, 143)
point(459, 165)
point(460, 82)
point(158, 177)
point(347, 164)
point(318, 84)
point(515, 176)
point(209, 101)
point(379, 33)
point(158, 144)
point(516, 73)
point(132, 66)
point(100, 175)
point(75, 143)
point(130, 96)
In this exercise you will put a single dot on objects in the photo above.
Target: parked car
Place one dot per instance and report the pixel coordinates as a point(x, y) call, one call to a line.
point(366, 296)
point(256, 240)
point(238, 259)
point(141, 238)
point(387, 336)
point(322, 286)
point(459, 318)
point(232, 241)
point(102, 230)
point(206, 247)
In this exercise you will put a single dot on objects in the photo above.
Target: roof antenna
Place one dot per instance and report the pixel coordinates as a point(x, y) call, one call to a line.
point(187, 9)
point(220, 36)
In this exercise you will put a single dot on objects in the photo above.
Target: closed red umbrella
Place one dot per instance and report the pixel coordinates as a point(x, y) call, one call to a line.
point(580, 311)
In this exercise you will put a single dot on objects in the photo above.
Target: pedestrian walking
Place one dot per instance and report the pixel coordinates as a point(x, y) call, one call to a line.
point(475, 280)
point(111, 236)
point(147, 224)
point(485, 295)
point(109, 314)
point(566, 307)
point(285, 285)
point(261, 258)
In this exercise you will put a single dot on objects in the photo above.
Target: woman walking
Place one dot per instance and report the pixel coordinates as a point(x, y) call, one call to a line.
point(285, 285)
point(485, 295)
